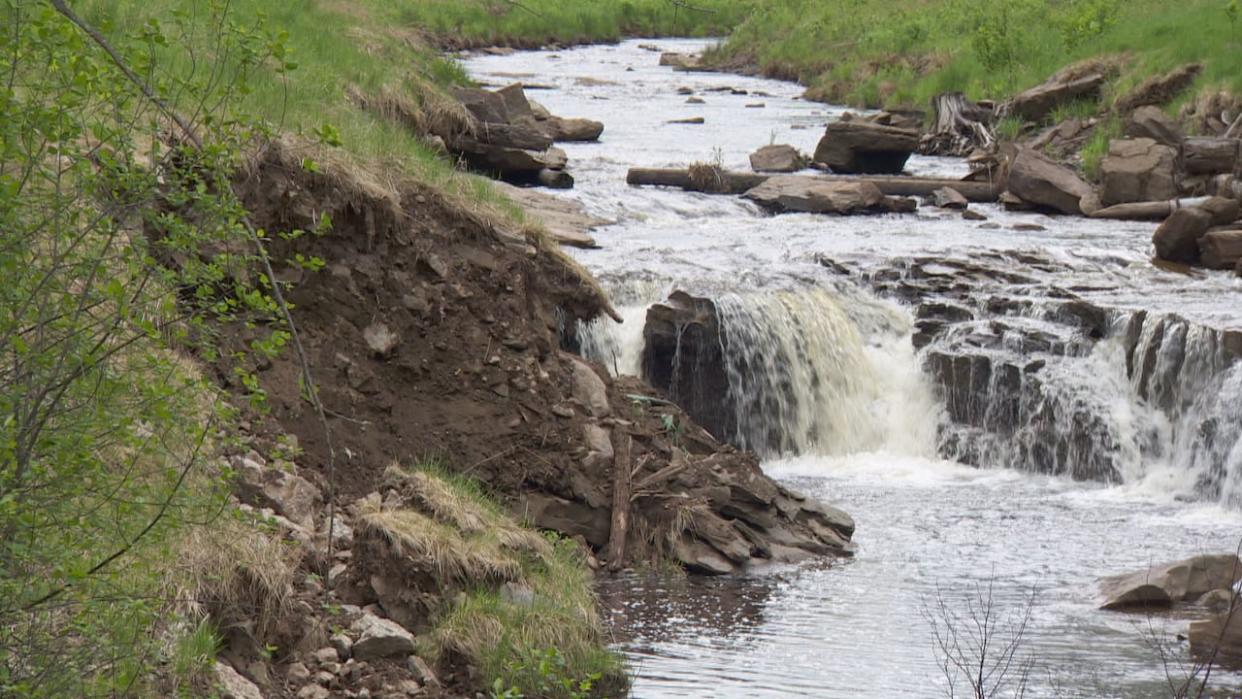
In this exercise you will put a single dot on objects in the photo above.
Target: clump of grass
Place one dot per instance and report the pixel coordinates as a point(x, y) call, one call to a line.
point(1096, 147)
point(1010, 129)
point(445, 525)
point(1082, 109)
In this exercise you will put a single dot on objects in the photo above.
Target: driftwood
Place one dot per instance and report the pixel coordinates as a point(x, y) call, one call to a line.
point(961, 127)
point(1221, 249)
point(1145, 210)
point(622, 477)
point(1209, 156)
point(737, 182)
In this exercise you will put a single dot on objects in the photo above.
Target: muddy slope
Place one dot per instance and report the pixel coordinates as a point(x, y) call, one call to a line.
point(434, 335)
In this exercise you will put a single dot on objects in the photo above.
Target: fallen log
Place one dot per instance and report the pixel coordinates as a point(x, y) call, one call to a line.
point(1145, 210)
point(1221, 249)
point(738, 182)
point(1210, 156)
point(622, 477)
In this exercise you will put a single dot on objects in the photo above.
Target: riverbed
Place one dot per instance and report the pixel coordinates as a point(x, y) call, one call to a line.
point(934, 536)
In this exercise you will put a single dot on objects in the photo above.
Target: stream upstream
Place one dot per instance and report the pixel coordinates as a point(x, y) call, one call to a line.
point(950, 514)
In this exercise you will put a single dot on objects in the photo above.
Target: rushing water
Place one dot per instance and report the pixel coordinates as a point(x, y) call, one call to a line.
point(825, 381)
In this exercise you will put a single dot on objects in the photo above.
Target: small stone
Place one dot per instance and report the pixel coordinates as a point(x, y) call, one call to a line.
point(336, 574)
point(312, 691)
point(380, 339)
point(692, 120)
point(696, 100)
point(324, 678)
point(562, 410)
point(756, 105)
point(972, 215)
point(410, 688)
point(420, 669)
point(343, 644)
point(297, 673)
point(326, 655)
point(1028, 227)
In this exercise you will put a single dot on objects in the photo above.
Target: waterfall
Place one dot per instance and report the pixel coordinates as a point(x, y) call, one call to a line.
point(808, 377)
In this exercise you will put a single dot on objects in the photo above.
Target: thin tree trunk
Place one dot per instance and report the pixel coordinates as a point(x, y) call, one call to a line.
point(622, 474)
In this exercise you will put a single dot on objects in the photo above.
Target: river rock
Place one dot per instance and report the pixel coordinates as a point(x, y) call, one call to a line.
point(860, 147)
point(777, 158)
point(380, 638)
point(1138, 169)
point(1224, 210)
point(1161, 586)
point(784, 193)
point(1177, 238)
point(1036, 179)
point(1218, 639)
point(589, 389)
point(1151, 122)
point(949, 198)
point(1221, 249)
point(1217, 600)
point(573, 129)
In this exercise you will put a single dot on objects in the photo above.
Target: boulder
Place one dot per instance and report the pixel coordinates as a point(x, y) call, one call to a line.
point(860, 147)
point(1217, 600)
point(777, 158)
point(1039, 101)
point(1223, 210)
point(1138, 169)
point(572, 129)
point(287, 493)
point(380, 638)
point(1177, 238)
point(569, 517)
point(484, 105)
point(1159, 89)
point(1218, 639)
point(515, 102)
point(784, 193)
point(233, 686)
point(1221, 249)
point(1036, 179)
point(949, 198)
point(1151, 122)
point(1163, 585)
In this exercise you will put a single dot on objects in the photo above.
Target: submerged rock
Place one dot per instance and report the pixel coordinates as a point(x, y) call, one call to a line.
point(785, 193)
point(1161, 586)
point(1177, 238)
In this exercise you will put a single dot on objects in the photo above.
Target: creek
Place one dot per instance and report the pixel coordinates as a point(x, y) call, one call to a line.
point(1007, 414)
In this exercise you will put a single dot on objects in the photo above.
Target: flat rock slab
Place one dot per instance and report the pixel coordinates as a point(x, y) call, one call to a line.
point(1163, 585)
point(566, 220)
point(859, 147)
point(783, 194)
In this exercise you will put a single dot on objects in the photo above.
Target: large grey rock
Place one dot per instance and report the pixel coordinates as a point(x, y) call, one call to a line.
point(233, 686)
point(1036, 179)
point(807, 195)
point(777, 158)
point(1177, 238)
point(381, 638)
point(860, 147)
point(569, 517)
point(949, 198)
point(1223, 210)
point(1138, 169)
point(287, 493)
point(1151, 122)
point(1161, 586)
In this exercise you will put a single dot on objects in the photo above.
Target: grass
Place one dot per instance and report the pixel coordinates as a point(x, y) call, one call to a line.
point(544, 646)
point(532, 23)
point(869, 53)
point(1096, 147)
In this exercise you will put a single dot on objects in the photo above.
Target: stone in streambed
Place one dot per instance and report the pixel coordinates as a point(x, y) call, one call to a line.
point(1177, 238)
point(949, 198)
point(784, 193)
point(1163, 585)
point(858, 147)
point(1035, 179)
point(777, 158)
point(1138, 169)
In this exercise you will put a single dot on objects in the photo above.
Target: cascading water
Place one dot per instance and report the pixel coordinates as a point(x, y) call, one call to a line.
point(852, 353)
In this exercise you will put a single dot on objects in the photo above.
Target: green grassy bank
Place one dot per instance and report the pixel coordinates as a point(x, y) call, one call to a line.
point(872, 53)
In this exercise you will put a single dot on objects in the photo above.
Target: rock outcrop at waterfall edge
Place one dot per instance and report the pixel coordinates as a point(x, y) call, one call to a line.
point(470, 373)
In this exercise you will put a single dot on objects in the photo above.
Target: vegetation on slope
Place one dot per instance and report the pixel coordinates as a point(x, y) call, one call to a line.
point(872, 53)
point(533, 23)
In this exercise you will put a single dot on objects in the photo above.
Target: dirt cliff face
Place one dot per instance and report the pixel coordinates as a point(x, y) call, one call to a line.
point(434, 335)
